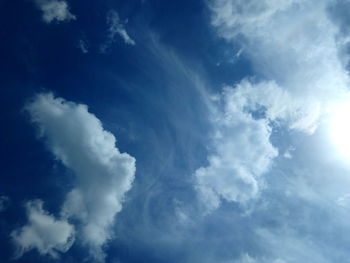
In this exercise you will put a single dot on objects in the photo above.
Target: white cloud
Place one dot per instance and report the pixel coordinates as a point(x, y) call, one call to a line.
point(293, 46)
point(242, 152)
point(43, 232)
point(293, 43)
point(289, 152)
point(116, 27)
point(103, 174)
point(344, 201)
point(54, 10)
point(241, 149)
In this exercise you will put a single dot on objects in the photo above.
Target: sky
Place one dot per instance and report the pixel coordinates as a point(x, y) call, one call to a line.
point(197, 131)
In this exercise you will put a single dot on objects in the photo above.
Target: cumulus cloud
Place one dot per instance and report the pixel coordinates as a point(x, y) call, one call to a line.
point(241, 152)
point(241, 149)
point(103, 174)
point(43, 232)
point(115, 27)
point(54, 10)
point(293, 43)
point(294, 50)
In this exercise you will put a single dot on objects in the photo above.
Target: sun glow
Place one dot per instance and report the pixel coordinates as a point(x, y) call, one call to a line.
point(340, 128)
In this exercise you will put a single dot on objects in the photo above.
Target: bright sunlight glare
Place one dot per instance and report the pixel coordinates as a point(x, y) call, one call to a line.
point(340, 128)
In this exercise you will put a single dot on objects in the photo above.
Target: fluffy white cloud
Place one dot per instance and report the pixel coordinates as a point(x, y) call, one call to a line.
point(103, 174)
point(241, 151)
point(115, 27)
point(43, 232)
point(54, 10)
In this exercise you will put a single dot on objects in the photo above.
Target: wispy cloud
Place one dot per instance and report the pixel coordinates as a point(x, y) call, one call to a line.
point(83, 46)
point(115, 28)
point(248, 259)
point(4, 202)
point(54, 10)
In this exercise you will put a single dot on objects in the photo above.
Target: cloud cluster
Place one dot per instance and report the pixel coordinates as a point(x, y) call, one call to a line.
point(242, 151)
point(54, 10)
point(103, 174)
point(293, 43)
point(294, 49)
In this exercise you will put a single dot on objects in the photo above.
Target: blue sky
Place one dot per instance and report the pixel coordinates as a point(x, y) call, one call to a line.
point(175, 131)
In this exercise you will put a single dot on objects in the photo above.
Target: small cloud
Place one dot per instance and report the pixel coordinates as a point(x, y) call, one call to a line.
point(288, 153)
point(4, 202)
point(344, 201)
point(43, 232)
point(83, 46)
point(182, 216)
point(239, 53)
point(115, 27)
point(54, 10)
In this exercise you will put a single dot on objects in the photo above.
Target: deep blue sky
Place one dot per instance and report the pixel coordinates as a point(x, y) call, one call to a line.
point(227, 108)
